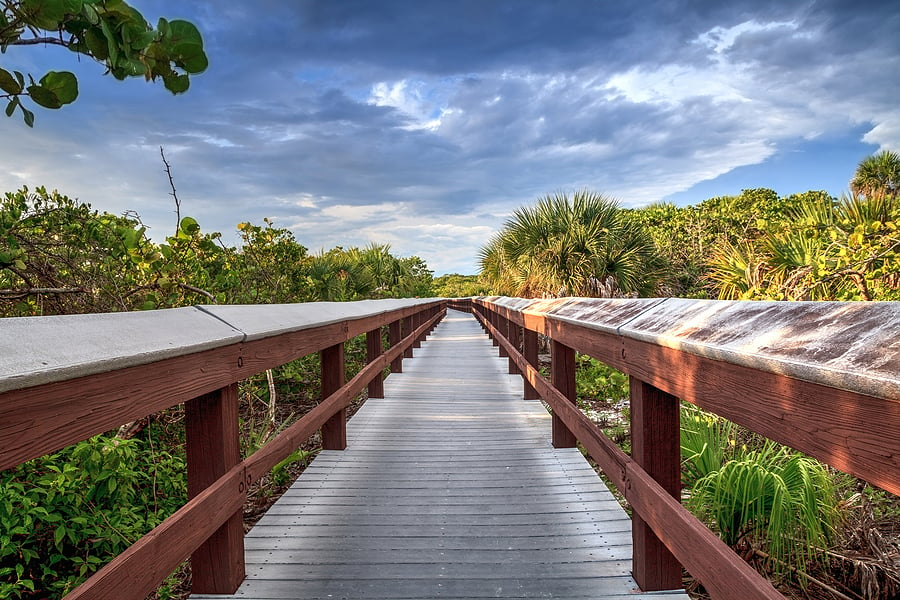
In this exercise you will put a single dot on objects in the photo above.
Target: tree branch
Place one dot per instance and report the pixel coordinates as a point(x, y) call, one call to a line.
point(16, 294)
point(172, 193)
point(37, 40)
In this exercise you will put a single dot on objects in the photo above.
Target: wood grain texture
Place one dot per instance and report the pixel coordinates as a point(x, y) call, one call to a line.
point(373, 351)
point(530, 350)
point(562, 371)
point(724, 574)
point(334, 430)
point(655, 436)
point(853, 432)
point(395, 334)
point(142, 567)
point(857, 434)
point(420, 505)
point(212, 448)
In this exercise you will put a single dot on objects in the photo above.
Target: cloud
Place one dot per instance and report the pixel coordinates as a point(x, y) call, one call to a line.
point(423, 125)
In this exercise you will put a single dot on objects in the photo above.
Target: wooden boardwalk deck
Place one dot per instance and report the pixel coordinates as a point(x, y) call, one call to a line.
point(449, 488)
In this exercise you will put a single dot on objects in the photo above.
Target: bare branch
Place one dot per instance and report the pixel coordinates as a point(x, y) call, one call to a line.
point(172, 193)
point(15, 294)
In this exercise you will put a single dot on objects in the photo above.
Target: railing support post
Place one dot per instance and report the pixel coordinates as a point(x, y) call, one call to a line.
point(515, 338)
point(373, 351)
point(408, 327)
point(334, 431)
point(656, 447)
point(212, 446)
point(394, 336)
point(494, 319)
point(530, 347)
point(562, 369)
point(503, 326)
point(418, 320)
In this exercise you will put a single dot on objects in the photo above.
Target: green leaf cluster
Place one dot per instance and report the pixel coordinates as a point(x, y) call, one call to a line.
point(63, 515)
point(109, 31)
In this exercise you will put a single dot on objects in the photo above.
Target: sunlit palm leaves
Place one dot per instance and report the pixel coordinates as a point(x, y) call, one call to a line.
point(578, 246)
point(878, 175)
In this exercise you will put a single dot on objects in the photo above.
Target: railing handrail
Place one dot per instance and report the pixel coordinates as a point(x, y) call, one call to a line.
point(677, 349)
point(41, 350)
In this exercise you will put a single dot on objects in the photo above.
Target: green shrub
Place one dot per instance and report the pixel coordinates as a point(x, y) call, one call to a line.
point(773, 498)
point(64, 515)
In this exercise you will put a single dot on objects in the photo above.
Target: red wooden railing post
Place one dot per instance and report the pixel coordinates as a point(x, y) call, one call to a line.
point(373, 351)
point(418, 320)
point(334, 431)
point(503, 327)
point(395, 334)
point(515, 338)
point(530, 350)
point(562, 370)
point(655, 446)
point(408, 327)
point(212, 447)
point(494, 319)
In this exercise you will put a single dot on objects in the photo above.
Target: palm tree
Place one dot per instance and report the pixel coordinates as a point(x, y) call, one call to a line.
point(583, 246)
point(877, 175)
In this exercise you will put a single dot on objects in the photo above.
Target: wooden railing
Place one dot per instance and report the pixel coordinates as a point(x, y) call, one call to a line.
point(821, 377)
point(64, 379)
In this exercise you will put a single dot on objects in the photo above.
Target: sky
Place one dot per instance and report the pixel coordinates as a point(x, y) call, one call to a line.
point(423, 123)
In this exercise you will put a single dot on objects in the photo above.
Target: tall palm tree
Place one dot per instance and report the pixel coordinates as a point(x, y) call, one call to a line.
point(583, 246)
point(877, 175)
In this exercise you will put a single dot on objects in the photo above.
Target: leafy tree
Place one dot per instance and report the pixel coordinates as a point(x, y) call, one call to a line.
point(583, 246)
point(877, 175)
point(109, 31)
point(823, 250)
point(455, 285)
point(687, 235)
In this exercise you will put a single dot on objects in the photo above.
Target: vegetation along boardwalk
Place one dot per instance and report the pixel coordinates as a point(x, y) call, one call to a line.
point(449, 488)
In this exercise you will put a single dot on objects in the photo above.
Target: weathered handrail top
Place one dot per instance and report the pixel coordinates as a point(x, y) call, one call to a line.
point(258, 321)
point(40, 350)
point(853, 346)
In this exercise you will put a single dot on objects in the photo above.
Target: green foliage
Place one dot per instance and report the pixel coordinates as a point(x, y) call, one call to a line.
point(686, 236)
point(459, 286)
point(63, 515)
point(594, 379)
point(110, 32)
point(877, 175)
point(583, 246)
point(824, 249)
point(707, 442)
point(772, 497)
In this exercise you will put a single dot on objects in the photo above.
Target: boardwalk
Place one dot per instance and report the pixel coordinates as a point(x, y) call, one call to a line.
point(449, 489)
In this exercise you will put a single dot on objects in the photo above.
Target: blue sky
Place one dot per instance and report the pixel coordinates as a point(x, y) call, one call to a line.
point(425, 124)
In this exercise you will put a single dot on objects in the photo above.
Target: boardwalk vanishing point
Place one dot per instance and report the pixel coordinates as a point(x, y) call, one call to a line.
point(449, 488)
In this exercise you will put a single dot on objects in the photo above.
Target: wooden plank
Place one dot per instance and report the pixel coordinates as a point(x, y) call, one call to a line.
point(466, 498)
